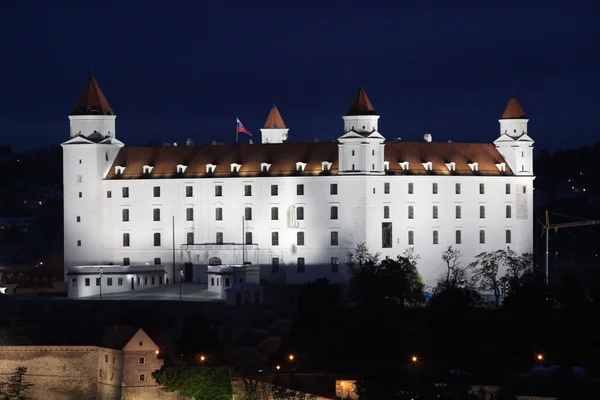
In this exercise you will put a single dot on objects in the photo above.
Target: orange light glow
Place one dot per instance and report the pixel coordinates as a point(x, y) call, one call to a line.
point(157, 352)
point(278, 367)
point(202, 358)
point(414, 359)
point(540, 357)
point(291, 357)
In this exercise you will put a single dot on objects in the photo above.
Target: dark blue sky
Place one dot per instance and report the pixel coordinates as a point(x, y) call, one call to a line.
point(178, 69)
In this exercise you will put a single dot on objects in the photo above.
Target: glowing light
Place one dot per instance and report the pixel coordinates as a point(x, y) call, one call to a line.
point(540, 357)
point(291, 357)
point(157, 352)
point(414, 359)
point(202, 358)
point(278, 367)
point(343, 383)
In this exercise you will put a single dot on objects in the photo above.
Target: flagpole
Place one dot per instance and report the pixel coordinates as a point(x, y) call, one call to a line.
point(236, 130)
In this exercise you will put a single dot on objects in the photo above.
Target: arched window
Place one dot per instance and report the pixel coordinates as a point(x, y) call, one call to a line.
point(214, 261)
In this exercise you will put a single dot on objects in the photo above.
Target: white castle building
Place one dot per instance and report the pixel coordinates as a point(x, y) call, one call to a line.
point(154, 213)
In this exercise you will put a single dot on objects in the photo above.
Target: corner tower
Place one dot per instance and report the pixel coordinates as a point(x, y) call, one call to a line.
point(514, 143)
point(92, 115)
point(275, 130)
point(361, 147)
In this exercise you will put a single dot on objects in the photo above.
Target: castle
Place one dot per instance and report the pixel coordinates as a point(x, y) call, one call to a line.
point(136, 217)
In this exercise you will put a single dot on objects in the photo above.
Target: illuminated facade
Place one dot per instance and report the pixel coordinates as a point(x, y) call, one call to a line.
point(294, 209)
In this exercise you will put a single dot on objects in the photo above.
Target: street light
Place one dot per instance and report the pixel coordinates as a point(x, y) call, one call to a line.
point(414, 359)
point(540, 357)
point(278, 367)
point(291, 357)
point(202, 358)
point(100, 274)
point(343, 384)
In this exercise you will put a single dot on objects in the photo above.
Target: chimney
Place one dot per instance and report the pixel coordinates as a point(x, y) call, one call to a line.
point(250, 141)
point(427, 137)
point(189, 142)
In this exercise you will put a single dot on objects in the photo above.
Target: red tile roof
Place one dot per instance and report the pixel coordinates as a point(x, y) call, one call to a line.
point(361, 104)
point(274, 119)
point(92, 100)
point(283, 159)
point(513, 110)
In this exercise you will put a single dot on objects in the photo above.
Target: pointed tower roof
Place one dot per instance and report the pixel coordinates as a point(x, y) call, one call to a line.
point(274, 120)
point(92, 100)
point(513, 110)
point(361, 104)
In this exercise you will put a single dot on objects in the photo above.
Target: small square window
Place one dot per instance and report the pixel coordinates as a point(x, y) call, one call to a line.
point(274, 190)
point(300, 190)
point(108, 281)
point(386, 188)
point(79, 243)
point(218, 191)
point(247, 190)
point(333, 189)
point(142, 378)
point(80, 194)
point(410, 188)
point(434, 188)
point(157, 261)
point(125, 192)
point(126, 261)
point(109, 194)
point(78, 218)
point(508, 188)
point(481, 188)
point(156, 191)
point(87, 281)
point(189, 191)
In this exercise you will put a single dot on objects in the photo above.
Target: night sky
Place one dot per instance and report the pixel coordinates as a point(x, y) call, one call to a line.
point(173, 70)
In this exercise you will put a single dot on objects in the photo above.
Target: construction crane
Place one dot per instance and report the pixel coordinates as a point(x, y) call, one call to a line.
point(556, 227)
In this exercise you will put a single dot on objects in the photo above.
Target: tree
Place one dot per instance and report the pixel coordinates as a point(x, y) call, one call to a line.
point(16, 388)
point(401, 281)
point(197, 381)
point(452, 259)
point(485, 270)
point(520, 269)
point(360, 258)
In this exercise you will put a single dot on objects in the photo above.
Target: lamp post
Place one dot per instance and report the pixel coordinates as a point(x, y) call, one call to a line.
point(180, 282)
point(100, 274)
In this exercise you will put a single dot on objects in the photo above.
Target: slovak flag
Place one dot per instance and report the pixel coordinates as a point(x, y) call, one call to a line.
point(240, 128)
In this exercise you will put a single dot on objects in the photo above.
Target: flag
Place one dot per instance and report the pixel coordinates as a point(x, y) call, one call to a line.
point(240, 128)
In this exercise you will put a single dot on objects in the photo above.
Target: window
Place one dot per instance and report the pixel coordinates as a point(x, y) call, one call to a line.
point(508, 188)
point(120, 281)
point(156, 239)
point(334, 238)
point(353, 164)
point(125, 192)
point(141, 361)
point(410, 188)
point(106, 358)
point(411, 237)
point(386, 235)
point(274, 213)
point(98, 281)
point(160, 280)
point(78, 218)
point(274, 190)
point(352, 150)
point(87, 281)
point(481, 188)
point(126, 240)
point(335, 266)
point(153, 281)
point(300, 238)
point(386, 188)
point(189, 191)
point(508, 212)
point(108, 281)
point(274, 238)
point(482, 236)
point(219, 238)
point(156, 191)
point(435, 212)
point(125, 215)
point(386, 211)
point(227, 282)
point(248, 213)
point(126, 261)
point(434, 188)
point(481, 212)
point(458, 236)
point(333, 188)
point(189, 214)
point(108, 194)
point(74, 282)
point(189, 239)
point(156, 214)
point(80, 194)
point(275, 265)
point(300, 213)
point(435, 237)
point(79, 243)
point(508, 236)
point(212, 281)
point(142, 378)
point(524, 189)
point(333, 212)
point(457, 188)
point(247, 190)
point(219, 214)
point(300, 265)
point(411, 212)
point(300, 190)
point(218, 191)
point(248, 237)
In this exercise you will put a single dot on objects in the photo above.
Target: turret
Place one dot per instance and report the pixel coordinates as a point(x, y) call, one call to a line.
point(275, 130)
point(361, 147)
point(514, 143)
point(92, 116)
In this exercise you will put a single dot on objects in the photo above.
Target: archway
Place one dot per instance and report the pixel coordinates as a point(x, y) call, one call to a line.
point(214, 261)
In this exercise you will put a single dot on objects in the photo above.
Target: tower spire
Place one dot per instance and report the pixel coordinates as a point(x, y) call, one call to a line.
point(274, 120)
point(92, 100)
point(275, 130)
point(513, 110)
point(361, 104)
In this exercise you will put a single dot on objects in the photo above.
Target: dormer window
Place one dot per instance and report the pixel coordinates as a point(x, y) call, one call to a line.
point(181, 168)
point(386, 165)
point(119, 170)
point(147, 169)
point(235, 167)
point(501, 167)
point(300, 166)
point(210, 168)
point(474, 166)
point(451, 166)
point(326, 166)
point(265, 167)
point(428, 166)
point(404, 165)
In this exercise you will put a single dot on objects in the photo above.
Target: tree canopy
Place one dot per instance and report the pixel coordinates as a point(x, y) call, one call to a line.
point(197, 381)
